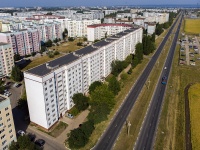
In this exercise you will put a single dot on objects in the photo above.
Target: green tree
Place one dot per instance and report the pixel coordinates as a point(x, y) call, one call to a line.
point(16, 74)
point(48, 43)
point(17, 57)
point(99, 113)
point(84, 39)
point(159, 29)
point(139, 52)
point(71, 39)
point(102, 95)
point(114, 85)
point(94, 85)
point(23, 142)
point(77, 139)
point(153, 37)
point(88, 127)
point(81, 101)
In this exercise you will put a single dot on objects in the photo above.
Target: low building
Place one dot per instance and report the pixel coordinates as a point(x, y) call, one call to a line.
point(7, 127)
point(6, 59)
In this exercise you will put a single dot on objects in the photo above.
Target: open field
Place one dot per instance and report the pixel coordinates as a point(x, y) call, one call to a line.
point(68, 46)
point(192, 26)
point(194, 101)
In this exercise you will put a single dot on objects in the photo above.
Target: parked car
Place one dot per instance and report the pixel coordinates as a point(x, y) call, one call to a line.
point(40, 142)
point(69, 115)
point(32, 137)
point(21, 133)
point(17, 85)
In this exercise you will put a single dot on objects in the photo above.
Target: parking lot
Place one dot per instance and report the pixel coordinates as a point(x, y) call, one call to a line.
point(15, 92)
point(190, 50)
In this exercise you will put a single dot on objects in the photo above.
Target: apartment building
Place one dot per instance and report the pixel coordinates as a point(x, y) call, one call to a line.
point(78, 28)
point(56, 82)
point(6, 59)
point(99, 31)
point(23, 41)
point(150, 27)
point(7, 127)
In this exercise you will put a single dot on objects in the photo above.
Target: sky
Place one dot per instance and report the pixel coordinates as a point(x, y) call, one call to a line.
point(48, 3)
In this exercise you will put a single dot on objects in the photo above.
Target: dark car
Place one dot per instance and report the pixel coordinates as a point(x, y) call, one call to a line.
point(32, 137)
point(18, 85)
point(40, 142)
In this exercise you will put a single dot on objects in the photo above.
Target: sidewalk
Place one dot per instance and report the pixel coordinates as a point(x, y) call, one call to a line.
point(72, 124)
point(58, 142)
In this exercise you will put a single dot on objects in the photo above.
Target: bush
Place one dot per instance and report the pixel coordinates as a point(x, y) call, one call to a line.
point(56, 53)
point(124, 76)
point(71, 39)
point(79, 44)
point(33, 53)
point(74, 111)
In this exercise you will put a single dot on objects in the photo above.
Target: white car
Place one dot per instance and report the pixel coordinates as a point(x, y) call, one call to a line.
point(20, 132)
point(165, 68)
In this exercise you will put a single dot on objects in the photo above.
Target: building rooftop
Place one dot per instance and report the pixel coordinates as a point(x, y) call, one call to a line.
point(43, 69)
point(108, 24)
point(1, 43)
point(46, 68)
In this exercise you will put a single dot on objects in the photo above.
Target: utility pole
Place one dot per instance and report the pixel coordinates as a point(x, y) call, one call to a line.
point(128, 127)
point(148, 84)
point(157, 63)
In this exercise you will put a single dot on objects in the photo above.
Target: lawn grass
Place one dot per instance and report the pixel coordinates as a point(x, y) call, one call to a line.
point(56, 131)
point(68, 47)
point(39, 61)
point(192, 26)
point(194, 102)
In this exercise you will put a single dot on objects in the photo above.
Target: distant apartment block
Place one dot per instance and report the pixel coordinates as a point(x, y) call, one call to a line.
point(56, 82)
point(150, 27)
point(23, 42)
point(28, 40)
point(6, 59)
point(99, 31)
point(79, 28)
point(7, 127)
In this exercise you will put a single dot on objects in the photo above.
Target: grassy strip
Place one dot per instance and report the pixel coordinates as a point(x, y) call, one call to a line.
point(68, 46)
point(56, 131)
point(194, 102)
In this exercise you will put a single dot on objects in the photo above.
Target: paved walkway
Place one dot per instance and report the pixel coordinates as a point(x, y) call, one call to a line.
point(72, 124)
point(125, 70)
point(58, 142)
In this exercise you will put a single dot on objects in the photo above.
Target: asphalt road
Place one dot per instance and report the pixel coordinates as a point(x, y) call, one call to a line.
point(110, 135)
point(147, 132)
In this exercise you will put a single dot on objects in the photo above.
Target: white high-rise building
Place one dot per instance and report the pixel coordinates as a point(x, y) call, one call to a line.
point(99, 31)
point(51, 86)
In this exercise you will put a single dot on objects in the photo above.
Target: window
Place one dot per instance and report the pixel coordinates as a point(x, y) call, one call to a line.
point(11, 136)
point(8, 120)
point(3, 136)
point(0, 118)
point(2, 131)
point(10, 131)
point(7, 114)
point(9, 125)
point(6, 108)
